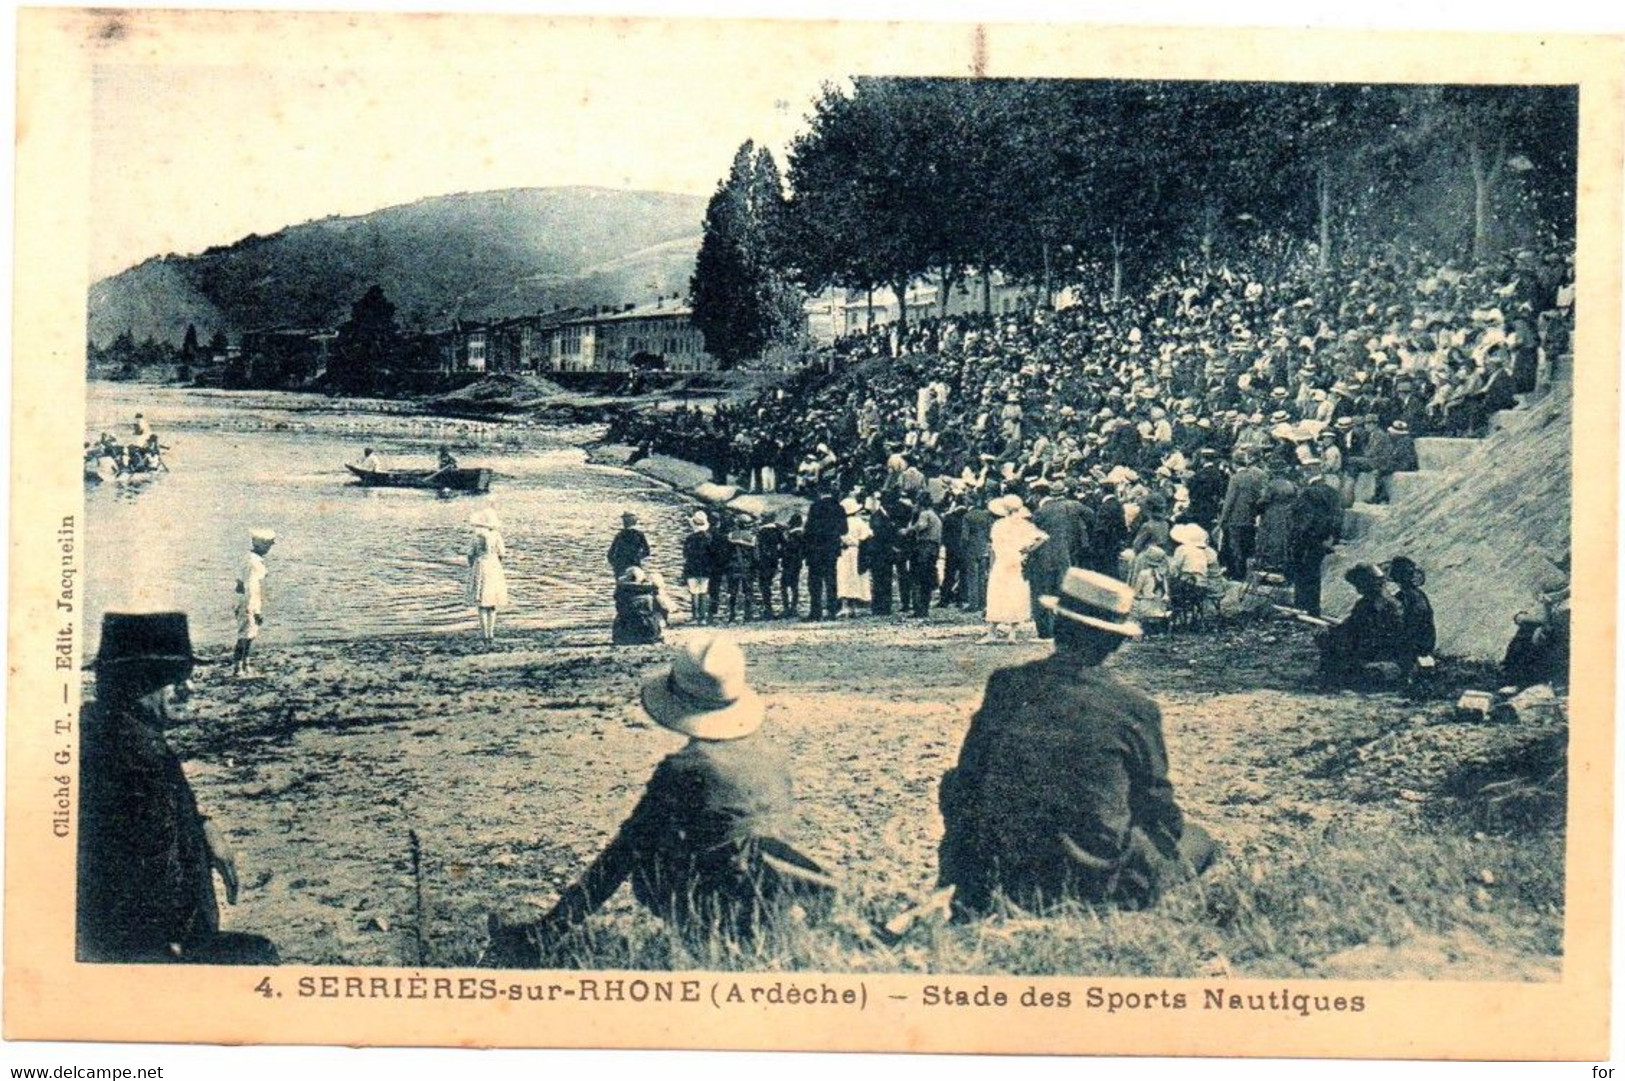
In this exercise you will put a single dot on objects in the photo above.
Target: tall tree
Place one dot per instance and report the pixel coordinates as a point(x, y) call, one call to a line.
point(866, 194)
point(189, 345)
point(365, 345)
point(742, 301)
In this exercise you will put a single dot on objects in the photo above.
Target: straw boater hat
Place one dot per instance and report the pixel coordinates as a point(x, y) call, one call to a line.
point(262, 536)
point(1188, 533)
point(1399, 427)
point(1345, 423)
point(1095, 600)
point(704, 694)
point(155, 637)
point(699, 521)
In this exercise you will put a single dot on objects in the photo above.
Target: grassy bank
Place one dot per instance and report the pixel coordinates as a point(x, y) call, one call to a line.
point(1365, 834)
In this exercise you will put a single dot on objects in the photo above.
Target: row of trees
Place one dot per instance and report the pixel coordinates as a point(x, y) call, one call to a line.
point(124, 357)
point(895, 179)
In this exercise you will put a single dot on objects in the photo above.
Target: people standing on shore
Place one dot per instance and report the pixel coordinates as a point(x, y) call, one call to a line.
point(629, 547)
point(1009, 600)
point(146, 854)
point(821, 545)
point(851, 580)
point(1317, 516)
point(250, 605)
point(1061, 790)
point(924, 537)
point(697, 567)
point(791, 561)
point(976, 530)
point(487, 580)
point(704, 846)
point(769, 555)
point(741, 572)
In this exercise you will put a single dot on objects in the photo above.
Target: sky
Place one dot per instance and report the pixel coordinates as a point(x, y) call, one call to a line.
point(231, 138)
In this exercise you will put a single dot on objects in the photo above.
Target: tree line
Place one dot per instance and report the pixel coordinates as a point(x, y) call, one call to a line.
point(895, 180)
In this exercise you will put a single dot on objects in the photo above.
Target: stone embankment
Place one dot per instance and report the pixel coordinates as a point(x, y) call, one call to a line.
point(1487, 519)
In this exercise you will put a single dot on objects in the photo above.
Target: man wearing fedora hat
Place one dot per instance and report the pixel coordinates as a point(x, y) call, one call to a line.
point(146, 854)
point(703, 846)
point(1061, 790)
point(1371, 632)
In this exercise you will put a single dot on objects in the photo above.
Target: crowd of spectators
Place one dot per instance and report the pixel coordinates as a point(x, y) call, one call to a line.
point(1218, 394)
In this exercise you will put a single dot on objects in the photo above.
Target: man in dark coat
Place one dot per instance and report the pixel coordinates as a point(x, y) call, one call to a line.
point(1206, 490)
point(629, 548)
point(953, 552)
point(976, 540)
point(1369, 633)
point(769, 553)
point(1061, 790)
point(1066, 540)
point(821, 547)
point(146, 853)
point(703, 847)
point(882, 556)
point(1316, 519)
point(1238, 514)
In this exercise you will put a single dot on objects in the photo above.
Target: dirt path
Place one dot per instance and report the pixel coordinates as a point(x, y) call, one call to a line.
point(514, 765)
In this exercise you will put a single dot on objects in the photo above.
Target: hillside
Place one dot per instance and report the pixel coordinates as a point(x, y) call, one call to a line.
point(467, 256)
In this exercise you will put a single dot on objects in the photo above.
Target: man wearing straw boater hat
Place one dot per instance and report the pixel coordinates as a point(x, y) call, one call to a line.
point(1061, 790)
point(702, 847)
point(146, 853)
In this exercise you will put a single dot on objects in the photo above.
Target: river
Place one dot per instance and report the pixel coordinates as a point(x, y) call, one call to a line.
point(351, 562)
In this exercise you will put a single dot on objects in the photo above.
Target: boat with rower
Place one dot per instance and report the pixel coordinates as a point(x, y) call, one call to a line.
point(455, 479)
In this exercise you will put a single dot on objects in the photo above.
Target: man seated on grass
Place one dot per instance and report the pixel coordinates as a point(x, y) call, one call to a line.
point(1370, 633)
point(702, 847)
point(1061, 790)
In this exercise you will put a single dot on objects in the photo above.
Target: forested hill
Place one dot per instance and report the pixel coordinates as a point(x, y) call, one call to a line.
point(466, 256)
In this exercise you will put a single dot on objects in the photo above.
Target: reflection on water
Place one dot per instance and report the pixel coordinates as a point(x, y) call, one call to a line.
point(351, 561)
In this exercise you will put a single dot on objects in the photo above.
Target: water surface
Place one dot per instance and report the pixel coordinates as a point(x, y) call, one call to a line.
point(350, 562)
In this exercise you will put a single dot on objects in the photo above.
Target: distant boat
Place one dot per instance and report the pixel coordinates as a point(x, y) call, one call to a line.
point(454, 480)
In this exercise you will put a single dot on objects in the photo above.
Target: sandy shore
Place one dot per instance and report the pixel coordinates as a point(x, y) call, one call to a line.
point(514, 764)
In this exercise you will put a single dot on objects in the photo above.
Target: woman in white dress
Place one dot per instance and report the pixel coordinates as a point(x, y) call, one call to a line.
point(1009, 598)
point(487, 583)
point(851, 586)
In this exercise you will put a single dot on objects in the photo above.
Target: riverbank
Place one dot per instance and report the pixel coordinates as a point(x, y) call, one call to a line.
point(1360, 838)
point(695, 481)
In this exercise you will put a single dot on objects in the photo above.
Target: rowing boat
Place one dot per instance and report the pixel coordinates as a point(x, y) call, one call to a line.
point(454, 480)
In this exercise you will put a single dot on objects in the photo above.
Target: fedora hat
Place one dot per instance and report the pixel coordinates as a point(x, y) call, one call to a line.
point(698, 520)
point(1362, 574)
point(1096, 600)
point(1399, 427)
point(704, 694)
point(161, 637)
